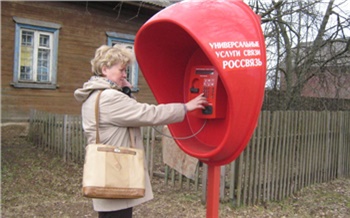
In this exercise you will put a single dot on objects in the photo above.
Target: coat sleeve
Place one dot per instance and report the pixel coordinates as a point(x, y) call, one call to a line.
point(118, 109)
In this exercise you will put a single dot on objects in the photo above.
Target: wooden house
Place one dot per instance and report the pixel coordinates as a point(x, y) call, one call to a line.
point(329, 75)
point(46, 48)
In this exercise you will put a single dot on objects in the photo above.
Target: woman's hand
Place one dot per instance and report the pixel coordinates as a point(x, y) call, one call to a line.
point(197, 103)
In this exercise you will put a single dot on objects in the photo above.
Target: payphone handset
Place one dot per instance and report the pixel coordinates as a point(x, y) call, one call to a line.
point(204, 79)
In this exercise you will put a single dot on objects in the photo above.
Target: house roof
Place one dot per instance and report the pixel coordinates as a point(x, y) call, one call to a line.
point(336, 50)
point(153, 5)
point(162, 3)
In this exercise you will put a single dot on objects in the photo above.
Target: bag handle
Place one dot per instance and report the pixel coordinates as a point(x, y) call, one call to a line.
point(97, 115)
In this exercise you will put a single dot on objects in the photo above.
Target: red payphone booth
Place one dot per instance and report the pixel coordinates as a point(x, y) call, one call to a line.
point(215, 47)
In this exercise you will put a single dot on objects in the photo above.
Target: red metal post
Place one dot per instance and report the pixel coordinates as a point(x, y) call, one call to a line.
point(213, 189)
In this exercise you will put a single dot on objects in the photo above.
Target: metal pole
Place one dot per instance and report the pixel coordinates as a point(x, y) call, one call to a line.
point(213, 189)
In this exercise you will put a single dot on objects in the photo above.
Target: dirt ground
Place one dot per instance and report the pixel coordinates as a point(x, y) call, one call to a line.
point(36, 183)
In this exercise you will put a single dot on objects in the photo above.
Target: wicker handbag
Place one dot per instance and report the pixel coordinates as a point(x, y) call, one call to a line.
point(112, 172)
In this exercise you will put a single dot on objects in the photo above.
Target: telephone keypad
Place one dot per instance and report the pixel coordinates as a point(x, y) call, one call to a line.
point(204, 79)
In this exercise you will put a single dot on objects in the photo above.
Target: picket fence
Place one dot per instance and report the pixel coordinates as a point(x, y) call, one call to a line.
point(288, 151)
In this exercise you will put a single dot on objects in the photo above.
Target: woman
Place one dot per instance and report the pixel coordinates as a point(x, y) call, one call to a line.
point(118, 112)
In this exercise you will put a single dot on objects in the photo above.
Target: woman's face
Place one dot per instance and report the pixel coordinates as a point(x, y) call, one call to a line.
point(116, 73)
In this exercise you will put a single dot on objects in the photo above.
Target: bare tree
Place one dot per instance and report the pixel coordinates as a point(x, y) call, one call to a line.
point(304, 39)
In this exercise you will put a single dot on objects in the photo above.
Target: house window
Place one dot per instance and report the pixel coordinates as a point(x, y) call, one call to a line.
point(127, 41)
point(35, 60)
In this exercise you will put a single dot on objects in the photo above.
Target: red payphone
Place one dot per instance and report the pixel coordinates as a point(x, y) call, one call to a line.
point(215, 47)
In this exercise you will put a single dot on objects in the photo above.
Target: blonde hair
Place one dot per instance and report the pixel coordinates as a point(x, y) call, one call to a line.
point(109, 56)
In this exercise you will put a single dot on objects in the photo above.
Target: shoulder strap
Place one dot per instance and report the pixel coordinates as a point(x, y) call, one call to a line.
point(97, 115)
point(132, 138)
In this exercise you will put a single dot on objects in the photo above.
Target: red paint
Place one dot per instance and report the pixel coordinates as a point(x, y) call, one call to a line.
point(213, 191)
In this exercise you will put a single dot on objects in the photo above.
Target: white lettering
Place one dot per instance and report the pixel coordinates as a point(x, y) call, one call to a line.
point(243, 63)
point(254, 52)
point(228, 54)
point(234, 44)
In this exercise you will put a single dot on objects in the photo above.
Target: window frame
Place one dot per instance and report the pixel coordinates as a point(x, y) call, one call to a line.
point(46, 28)
point(128, 39)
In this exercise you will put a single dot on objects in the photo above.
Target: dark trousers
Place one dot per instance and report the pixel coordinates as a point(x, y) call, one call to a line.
point(126, 213)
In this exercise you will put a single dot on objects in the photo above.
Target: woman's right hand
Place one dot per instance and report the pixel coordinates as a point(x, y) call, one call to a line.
point(197, 103)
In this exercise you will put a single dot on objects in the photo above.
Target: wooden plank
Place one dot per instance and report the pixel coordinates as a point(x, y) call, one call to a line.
point(274, 154)
point(310, 151)
point(253, 169)
point(73, 138)
point(334, 153)
point(269, 163)
point(222, 182)
point(327, 141)
point(258, 163)
point(340, 170)
point(180, 179)
point(260, 155)
point(173, 177)
point(49, 131)
point(291, 151)
point(188, 183)
point(232, 181)
point(76, 142)
point(240, 177)
point(324, 146)
point(314, 154)
point(268, 156)
point(305, 158)
point(319, 147)
point(316, 149)
point(251, 172)
point(41, 130)
point(61, 137)
point(80, 141)
point(64, 137)
point(308, 156)
point(196, 180)
point(298, 147)
point(303, 150)
point(289, 154)
point(69, 138)
point(166, 175)
point(346, 143)
point(148, 142)
point(284, 147)
point(151, 152)
point(55, 146)
point(204, 183)
point(246, 176)
point(279, 156)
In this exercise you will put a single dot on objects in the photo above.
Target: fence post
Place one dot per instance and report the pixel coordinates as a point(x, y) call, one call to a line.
point(31, 124)
point(341, 119)
point(150, 160)
point(64, 138)
point(204, 183)
point(148, 142)
point(222, 182)
point(232, 181)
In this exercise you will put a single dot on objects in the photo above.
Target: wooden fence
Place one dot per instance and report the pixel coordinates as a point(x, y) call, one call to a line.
point(289, 150)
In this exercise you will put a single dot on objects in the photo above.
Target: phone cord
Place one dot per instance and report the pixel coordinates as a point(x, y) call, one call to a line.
point(181, 138)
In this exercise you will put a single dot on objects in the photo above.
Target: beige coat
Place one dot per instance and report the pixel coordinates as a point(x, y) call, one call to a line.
point(117, 112)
